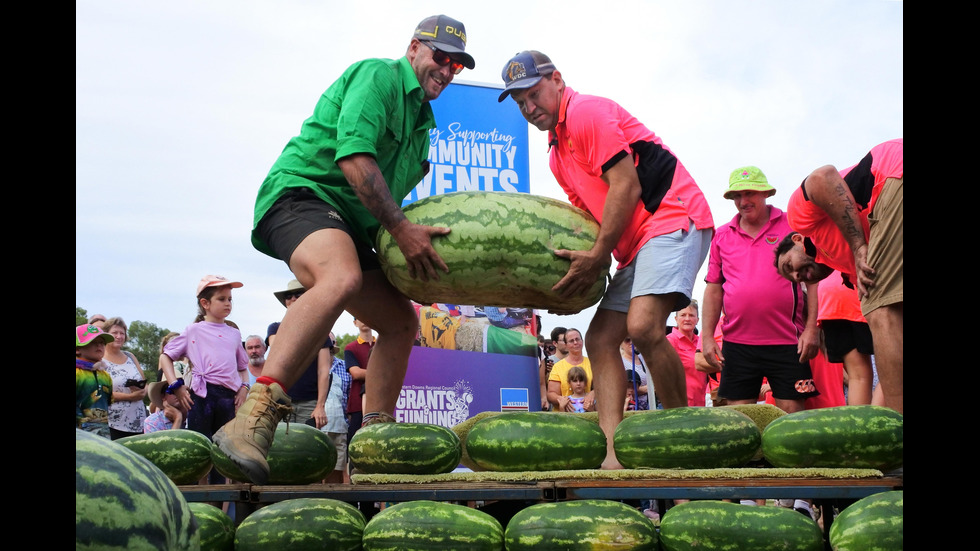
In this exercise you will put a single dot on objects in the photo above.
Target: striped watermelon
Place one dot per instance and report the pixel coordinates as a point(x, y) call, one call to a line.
point(301, 524)
point(217, 529)
point(709, 525)
point(123, 501)
point(184, 455)
point(686, 438)
point(404, 448)
point(536, 441)
point(582, 525)
point(857, 437)
point(873, 523)
point(300, 454)
point(500, 250)
point(432, 526)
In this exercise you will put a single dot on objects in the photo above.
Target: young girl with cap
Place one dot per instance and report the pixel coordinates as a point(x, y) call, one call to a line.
point(214, 348)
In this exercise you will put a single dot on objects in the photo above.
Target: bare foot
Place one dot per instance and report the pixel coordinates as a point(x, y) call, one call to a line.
point(611, 464)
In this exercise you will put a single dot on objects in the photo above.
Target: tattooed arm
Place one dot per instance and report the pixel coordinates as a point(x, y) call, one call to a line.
point(828, 190)
point(414, 240)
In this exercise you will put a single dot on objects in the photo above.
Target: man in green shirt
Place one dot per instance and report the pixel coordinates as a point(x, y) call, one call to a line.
point(319, 209)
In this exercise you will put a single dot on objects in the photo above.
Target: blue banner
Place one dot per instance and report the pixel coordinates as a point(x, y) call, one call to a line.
point(477, 145)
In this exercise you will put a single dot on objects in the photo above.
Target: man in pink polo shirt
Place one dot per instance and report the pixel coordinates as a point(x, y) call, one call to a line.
point(770, 324)
point(852, 221)
point(653, 219)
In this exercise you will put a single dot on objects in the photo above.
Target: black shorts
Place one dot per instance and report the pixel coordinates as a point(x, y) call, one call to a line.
point(842, 336)
point(297, 214)
point(746, 365)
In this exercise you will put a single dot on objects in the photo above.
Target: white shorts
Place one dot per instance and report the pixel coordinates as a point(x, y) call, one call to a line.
point(665, 264)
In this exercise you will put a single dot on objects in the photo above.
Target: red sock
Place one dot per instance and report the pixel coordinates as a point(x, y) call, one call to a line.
point(268, 381)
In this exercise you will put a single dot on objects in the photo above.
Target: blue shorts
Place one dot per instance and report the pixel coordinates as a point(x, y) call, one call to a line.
point(664, 265)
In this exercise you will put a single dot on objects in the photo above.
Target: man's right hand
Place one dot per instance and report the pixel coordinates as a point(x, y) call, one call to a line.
point(712, 354)
point(415, 242)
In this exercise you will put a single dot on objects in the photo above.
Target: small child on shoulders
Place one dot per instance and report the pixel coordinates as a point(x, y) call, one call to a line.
point(168, 411)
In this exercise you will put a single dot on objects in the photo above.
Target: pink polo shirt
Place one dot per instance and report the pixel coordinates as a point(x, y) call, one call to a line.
point(761, 307)
point(866, 180)
point(697, 381)
point(592, 135)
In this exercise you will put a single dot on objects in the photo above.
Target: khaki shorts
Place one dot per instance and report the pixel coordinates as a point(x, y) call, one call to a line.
point(339, 440)
point(886, 247)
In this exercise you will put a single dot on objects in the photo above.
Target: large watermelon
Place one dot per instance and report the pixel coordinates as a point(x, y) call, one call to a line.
point(432, 526)
point(857, 437)
point(686, 438)
point(536, 441)
point(709, 525)
point(300, 454)
point(500, 250)
point(873, 523)
point(302, 524)
point(217, 529)
point(404, 448)
point(123, 501)
point(184, 455)
point(581, 525)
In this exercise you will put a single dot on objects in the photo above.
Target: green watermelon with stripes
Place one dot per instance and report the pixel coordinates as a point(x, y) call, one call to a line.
point(217, 529)
point(580, 525)
point(432, 526)
point(184, 455)
point(856, 437)
point(123, 501)
point(404, 448)
point(872, 523)
point(536, 441)
point(686, 438)
point(302, 524)
point(500, 250)
point(717, 525)
point(300, 454)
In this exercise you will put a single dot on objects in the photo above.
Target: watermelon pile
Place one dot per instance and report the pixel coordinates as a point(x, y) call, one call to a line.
point(123, 501)
point(500, 250)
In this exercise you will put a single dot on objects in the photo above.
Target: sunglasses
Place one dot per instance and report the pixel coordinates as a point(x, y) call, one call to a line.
point(442, 59)
point(551, 347)
point(292, 295)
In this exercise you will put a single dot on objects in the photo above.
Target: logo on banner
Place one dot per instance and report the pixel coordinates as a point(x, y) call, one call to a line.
point(436, 405)
point(514, 399)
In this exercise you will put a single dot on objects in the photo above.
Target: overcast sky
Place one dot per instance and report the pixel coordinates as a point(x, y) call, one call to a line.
point(183, 106)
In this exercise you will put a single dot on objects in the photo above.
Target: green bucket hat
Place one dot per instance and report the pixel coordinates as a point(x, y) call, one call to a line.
point(748, 178)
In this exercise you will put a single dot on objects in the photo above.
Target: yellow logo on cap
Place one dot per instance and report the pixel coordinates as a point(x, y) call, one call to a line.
point(515, 71)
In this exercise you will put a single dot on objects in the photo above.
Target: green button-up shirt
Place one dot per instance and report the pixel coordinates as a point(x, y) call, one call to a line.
point(375, 107)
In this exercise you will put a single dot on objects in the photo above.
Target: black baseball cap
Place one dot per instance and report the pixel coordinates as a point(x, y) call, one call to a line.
point(447, 34)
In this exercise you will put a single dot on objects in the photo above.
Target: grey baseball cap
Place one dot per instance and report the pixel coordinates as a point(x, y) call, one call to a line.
point(447, 34)
point(524, 70)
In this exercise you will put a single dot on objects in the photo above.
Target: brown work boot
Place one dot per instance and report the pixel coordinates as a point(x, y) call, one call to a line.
point(246, 439)
point(377, 417)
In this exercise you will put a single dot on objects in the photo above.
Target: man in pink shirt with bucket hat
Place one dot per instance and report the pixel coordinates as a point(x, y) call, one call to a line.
point(770, 323)
point(653, 219)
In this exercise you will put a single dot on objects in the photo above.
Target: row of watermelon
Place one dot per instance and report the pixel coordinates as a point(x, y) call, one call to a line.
point(124, 501)
point(859, 437)
point(686, 438)
point(875, 522)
